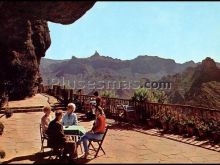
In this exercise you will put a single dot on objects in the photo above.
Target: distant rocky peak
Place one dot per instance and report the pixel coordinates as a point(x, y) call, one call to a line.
point(207, 71)
point(209, 64)
point(190, 62)
point(74, 58)
point(96, 54)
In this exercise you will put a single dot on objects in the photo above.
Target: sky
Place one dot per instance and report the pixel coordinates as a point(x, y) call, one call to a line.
point(182, 31)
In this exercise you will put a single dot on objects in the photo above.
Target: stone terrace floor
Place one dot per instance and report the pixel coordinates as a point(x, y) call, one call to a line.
point(21, 142)
point(37, 100)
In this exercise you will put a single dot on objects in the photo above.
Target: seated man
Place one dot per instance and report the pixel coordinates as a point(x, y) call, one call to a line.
point(56, 137)
point(96, 132)
point(70, 118)
point(46, 119)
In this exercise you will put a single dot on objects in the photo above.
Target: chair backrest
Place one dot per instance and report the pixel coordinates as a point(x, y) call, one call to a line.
point(41, 131)
point(106, 130)
point(42, 134)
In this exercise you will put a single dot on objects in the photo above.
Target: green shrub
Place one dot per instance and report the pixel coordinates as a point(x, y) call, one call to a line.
point(202, 126)
point(150, 95)
point(214, 125)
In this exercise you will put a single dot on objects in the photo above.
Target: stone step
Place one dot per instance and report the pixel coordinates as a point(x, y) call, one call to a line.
point(22, 107)
point(24, 110)
point(30, 109)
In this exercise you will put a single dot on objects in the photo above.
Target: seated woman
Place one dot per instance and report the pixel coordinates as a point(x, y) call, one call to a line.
point(96, 132)
point(70, 118)
point(46, 119)
point(56, 136)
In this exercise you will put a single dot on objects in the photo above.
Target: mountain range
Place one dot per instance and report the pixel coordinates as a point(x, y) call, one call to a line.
point(184, 77)
point(151, 67)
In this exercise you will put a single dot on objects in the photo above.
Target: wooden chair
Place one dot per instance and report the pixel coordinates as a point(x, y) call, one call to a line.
point(99, 142)
point(44, 138)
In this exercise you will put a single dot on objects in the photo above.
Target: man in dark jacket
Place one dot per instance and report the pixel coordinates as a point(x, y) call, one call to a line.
point(56, 137)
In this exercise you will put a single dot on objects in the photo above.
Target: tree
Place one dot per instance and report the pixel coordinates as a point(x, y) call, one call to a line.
point(150, 95)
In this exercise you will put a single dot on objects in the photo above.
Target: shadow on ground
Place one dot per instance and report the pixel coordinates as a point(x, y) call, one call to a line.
point(40, 158)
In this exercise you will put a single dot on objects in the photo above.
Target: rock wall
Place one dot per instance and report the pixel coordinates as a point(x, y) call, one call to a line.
point(25, 37)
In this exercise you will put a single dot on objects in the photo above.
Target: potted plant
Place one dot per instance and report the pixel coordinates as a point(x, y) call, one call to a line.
point(153, 121)
point(202, 128)
point(190, 127)
point(173, 124)
point(181, 127)
point(1, 128)
point(8, 113)
point(214, 131)
point(2, 154)
point(158, 119)
point(165, 122)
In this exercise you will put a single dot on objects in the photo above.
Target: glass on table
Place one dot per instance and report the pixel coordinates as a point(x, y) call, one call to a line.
point(68, 138)
point(71, 138)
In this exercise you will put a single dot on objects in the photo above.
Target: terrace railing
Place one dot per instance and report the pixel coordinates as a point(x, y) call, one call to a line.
point(143, 110)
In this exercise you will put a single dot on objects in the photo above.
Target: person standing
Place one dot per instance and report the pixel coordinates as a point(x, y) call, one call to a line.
point(98, 99)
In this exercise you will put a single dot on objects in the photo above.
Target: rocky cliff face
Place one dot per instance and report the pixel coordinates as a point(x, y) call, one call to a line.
point(208, 95)
point(24, 39)
point(198, 86)
point(205, 89)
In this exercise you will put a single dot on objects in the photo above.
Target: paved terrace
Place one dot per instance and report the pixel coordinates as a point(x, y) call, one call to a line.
point(21, 142)
point(37, 100)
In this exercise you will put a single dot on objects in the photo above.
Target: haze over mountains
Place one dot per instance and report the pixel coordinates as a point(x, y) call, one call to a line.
point(187, 79)
point(151, 67)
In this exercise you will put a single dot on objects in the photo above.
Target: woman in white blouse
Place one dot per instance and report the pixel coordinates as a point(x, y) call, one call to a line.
point(46, 119)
